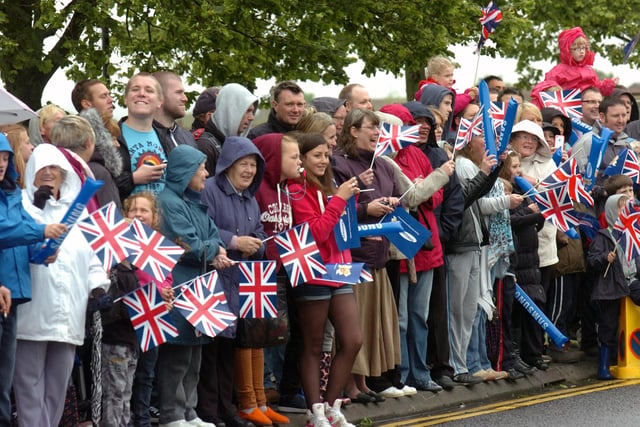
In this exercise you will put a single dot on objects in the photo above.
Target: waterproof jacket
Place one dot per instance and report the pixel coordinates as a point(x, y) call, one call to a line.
point(615, 285)
point(415, 164)
point(18, 230)
point(272, 125)
point(57, 310)
point(235, 214)
point(570, 74)
point(432, 94)
point(184, 219)
point(372, 252)
point(274, 203)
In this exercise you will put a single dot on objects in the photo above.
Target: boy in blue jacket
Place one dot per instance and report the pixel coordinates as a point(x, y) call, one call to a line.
point(17, 231)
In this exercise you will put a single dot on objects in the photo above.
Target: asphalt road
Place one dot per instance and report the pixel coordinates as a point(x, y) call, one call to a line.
point(613, 406)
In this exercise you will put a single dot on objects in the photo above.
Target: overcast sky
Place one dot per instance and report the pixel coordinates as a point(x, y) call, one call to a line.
point(381, 85)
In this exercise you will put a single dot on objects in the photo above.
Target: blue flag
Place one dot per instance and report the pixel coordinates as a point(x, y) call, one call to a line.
point(629, 48)
point(339, 274)
point(346, 230)
point(598, 147)
point(414, 235)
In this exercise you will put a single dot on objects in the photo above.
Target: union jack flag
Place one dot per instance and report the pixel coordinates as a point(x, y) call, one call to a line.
point(109, 235)
point(258, 289)
point(491, 17)
point(560, 175)
point(627, 227)
point(393, 138)
point(556, 206)
point(208, 280)
point(365, 275)
point(156, 254)
point(207, 311)
point(626, 163)
point(568, 101)
point(498, 111)
point(468, 129)
point(149, 316)
point(577, 192)
point(299, 254)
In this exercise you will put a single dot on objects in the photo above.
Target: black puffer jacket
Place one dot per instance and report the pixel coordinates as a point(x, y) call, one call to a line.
point(525, 263)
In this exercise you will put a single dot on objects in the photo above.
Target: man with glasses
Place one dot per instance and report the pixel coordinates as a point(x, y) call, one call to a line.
point(591, 99)
point(287, 107)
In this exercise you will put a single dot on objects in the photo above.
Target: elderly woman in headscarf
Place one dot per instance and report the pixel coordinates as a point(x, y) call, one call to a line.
point(51, 325)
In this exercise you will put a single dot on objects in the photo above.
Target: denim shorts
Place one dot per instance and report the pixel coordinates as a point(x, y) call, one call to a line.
point(307, 292)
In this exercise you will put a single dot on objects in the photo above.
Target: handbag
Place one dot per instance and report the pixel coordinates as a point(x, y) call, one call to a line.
point(270, 332)
point(428, 245)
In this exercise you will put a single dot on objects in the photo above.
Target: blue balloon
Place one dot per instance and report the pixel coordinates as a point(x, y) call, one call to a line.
point(547, 325)
point(507, 125)
point(487, 121)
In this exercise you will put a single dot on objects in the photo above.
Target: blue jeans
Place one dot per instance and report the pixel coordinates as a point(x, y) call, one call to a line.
point(142, 387)
point(273, 359)
point(477, 358)
point(7, 362)
point(413, 311)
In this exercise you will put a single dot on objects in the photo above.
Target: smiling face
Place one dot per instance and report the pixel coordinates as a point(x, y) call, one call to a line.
point(366, 136)
point(51, 176)
point(425, 129)
point(242, 172)
point(141, 209)
point(143, 97)
point(615, 118)
point(524, 143)
point(316, 161)
point(289, 107)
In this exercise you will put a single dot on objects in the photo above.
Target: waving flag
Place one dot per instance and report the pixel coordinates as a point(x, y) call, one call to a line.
point(365, 275)
point(467, 130)
point(629, 48)
point(589, 225)
point(207, 311)
point(598, 147)
point(569, 102)
point(626, 163)
point(340, 274)
point(627, 227)
point(109, 235)
point(258, 289)
point(300, 255)
point(498, 111)
point(556, 206)
point(346, 230)
point(491, 17)
point(208, 280)
point(393, 138)
point(156, 254)
point(560, 175)
point(149, 316)
point(578, 128)
point(577, 192)
point(413, 236)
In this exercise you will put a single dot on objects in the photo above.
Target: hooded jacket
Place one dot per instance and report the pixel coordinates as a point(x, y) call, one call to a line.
point(235, 214)
point(17, 230)
point(232, 102)
point(275, 206)
point(433, 94)
point(540, 165)
point(106, 161)
point(616, 284)
point(570, 74)
point(57, 310)
point(449, 213)
point(549, 113)
point(184, 218)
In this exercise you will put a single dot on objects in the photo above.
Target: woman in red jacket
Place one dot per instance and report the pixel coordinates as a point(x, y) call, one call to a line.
point(319, 302)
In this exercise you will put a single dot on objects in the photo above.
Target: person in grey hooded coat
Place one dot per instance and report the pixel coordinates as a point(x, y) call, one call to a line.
point(235, 110)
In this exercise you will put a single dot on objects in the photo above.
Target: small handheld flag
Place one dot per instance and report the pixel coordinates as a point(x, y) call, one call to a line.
point(491, 17)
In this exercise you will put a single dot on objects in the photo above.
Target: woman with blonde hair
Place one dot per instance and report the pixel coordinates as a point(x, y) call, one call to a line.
point(21, 146)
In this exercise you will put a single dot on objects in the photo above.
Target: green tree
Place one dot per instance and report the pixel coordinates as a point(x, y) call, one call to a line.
point(217, 41)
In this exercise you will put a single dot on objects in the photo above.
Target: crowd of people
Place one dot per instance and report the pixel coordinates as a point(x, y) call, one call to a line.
point(222, 189)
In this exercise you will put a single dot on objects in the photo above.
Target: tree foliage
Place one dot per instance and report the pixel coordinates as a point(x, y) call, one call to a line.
point(218, 41)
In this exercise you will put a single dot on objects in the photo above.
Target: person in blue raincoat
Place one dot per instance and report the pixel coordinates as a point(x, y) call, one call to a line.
point(185, 221)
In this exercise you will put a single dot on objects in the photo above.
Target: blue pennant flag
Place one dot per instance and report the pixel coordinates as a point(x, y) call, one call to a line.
point(598, 147)
point(414, 235)
point(346, 230)
point(629, 48)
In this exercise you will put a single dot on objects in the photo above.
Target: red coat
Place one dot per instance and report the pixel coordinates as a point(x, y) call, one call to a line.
point(308, 209)
point(415, 164)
